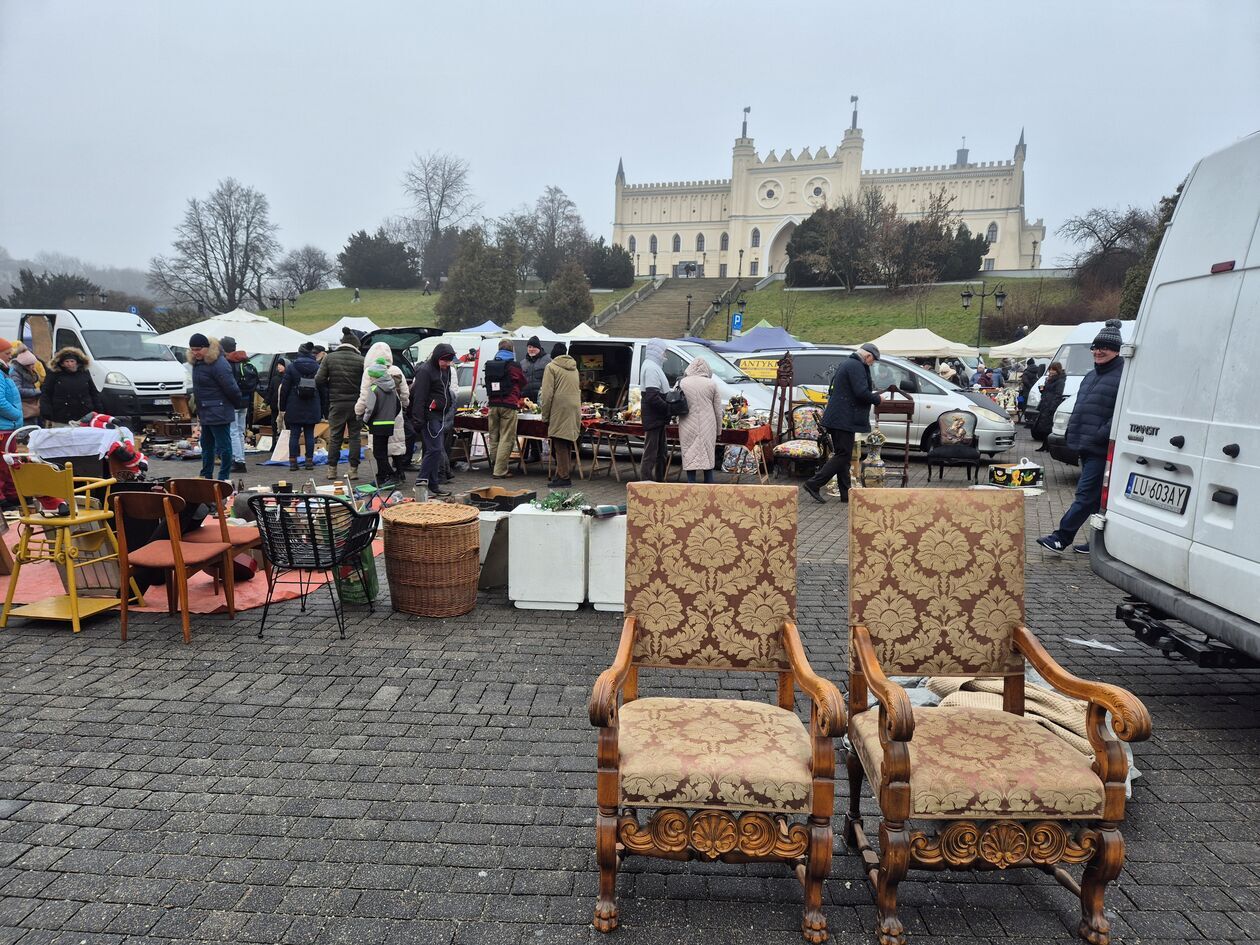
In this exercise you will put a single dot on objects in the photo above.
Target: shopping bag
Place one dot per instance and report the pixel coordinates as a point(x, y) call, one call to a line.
point(355, 590)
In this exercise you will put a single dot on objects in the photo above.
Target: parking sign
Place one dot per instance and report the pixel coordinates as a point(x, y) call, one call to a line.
point(737, 322)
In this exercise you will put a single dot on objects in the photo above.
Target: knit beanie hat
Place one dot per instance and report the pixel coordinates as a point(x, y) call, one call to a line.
point(227, 344)
point(533, 342)
point(26, 359)
point(348, 337)
point(1109, 336)
point(378, 368)
point(199, 341)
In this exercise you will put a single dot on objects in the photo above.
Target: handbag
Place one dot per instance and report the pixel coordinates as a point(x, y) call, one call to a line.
point(676, 401)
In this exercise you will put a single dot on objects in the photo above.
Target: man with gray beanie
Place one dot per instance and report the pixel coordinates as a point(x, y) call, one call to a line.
point(340, 374)
point(848, 413)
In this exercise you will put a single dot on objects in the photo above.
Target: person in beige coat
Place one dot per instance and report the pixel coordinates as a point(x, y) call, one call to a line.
point(698, 430)
point(560, 400)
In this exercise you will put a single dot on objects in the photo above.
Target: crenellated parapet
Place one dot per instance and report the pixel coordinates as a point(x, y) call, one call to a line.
point(940, 168)
point(680, 186)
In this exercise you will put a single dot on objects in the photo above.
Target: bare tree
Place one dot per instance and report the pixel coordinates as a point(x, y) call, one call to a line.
point(305, 270)
point(222, 250)
point(559, 232)
point(1110, 242)
point(438, 183)
point(519, 228)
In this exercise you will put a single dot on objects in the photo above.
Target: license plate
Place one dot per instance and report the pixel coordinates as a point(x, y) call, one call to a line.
point(1163, 495)
point(161, 401)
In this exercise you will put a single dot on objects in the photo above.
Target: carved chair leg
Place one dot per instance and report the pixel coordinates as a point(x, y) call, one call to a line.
point(894, 862)
point(817, 869)
point(854, 817)
point(1101, 869)
point(606, 856)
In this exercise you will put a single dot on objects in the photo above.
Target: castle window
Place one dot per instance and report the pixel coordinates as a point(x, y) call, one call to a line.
point(756, 238)
point(633, 244)
point(699, 242)
point(770, 193)
point(991, 233)
point(677, 243)
point(817, 191)
point(988, 265)
point(752, 268)
point(725, 243)
point(652, 245)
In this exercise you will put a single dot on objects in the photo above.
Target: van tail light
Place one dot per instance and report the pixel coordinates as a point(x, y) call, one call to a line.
point(1106, 485)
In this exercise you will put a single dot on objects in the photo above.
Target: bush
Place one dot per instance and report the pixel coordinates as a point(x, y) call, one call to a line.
point(568, 301)
point(377, 262)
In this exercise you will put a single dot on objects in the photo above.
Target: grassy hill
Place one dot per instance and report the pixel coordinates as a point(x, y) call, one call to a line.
point(841, 317)
point(317, 310)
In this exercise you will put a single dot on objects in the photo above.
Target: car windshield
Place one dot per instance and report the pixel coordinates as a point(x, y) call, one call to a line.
point(1077, 360)
point(123, 345)
point(816, 369)
point(723, 370)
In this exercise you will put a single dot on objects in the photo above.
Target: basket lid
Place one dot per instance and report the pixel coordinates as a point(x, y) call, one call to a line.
point(430, 514)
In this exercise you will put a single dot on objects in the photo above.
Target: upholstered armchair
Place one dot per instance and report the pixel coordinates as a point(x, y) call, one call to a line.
point(936, 587)
point(711, 585)
point(955, 443)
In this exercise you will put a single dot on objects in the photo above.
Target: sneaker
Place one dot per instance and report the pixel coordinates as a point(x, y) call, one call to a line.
point(813, 491)
point(1051, 543)
point(240, 466)
point(1081, 549)
point(439, 492)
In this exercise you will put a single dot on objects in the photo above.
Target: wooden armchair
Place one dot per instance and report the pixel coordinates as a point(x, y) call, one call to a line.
point(711, 585)
point(936, 586)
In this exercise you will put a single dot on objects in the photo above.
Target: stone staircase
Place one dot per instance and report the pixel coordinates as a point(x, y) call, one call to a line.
point(663, 314)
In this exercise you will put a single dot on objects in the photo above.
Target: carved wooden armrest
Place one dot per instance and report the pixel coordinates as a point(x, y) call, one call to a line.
point(898, 712)
point(828, 706)
point(603, 705)
point(1129, 718)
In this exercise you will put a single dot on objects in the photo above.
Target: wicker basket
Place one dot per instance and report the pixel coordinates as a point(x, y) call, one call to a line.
point(432, 558)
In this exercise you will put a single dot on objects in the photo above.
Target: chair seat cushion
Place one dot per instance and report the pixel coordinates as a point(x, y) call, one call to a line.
point(160, 554)
point(967, 762)
point(799, 449)
point(713, 753)
point(954, 453)
point(210, 532)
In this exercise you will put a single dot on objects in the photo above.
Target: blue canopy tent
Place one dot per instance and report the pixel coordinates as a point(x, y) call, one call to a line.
point(707, 342)
point(485, 328)
point(763, 339)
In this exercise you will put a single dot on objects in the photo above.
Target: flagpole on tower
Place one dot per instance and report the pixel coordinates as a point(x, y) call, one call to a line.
point(744, 132)
point(853, 99)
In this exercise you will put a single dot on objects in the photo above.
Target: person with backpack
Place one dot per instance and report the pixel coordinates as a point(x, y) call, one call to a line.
point(504, 380)
point(341, 374)
point(382, 405)
point(247, 380)
point(299, 394)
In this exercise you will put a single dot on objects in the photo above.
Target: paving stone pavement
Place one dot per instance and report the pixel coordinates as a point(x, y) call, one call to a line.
point(433, 780)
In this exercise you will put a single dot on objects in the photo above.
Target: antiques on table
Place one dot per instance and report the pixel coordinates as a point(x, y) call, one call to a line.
point(873, 467)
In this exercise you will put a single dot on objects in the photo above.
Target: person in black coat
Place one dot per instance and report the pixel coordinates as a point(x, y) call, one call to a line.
point(849, 402)
point(430, 397)
point(303, 407)
point(1051, 397)
point(68, 393)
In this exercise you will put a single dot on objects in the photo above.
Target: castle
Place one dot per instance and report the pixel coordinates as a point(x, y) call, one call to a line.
point(744, 222)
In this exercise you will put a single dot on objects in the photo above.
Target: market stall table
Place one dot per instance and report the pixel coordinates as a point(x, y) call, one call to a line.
point(615, 435)
point(528, 427)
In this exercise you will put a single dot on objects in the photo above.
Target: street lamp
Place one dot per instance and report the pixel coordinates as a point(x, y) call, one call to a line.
point(653, 264)
point(636, 264)
point(999, 297)
point(689, 313)
point(741, 265)
point(740, 304)
point(104, 297)
point(1034, 254)
point(704, 258)
point(279, 300)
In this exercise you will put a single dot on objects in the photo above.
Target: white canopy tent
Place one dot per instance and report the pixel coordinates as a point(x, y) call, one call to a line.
point(584, 330)
point(920, 343)
point(255, 334)
point(1042, 342)
point(331, 335)
point(544, 334)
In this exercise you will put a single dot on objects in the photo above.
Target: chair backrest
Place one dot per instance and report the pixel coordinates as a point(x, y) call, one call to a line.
point(807, 423)
point(212, 493)
point(151, 507)
point(310, 532)
point(710, 574)
point(34, 481)
point(937, 577)
point(957, 428)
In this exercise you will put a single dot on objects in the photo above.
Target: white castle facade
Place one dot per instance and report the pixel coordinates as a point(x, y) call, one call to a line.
point(740, 226)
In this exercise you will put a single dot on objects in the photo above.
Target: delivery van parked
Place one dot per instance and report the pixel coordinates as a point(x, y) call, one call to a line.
point(136, 376)
point(1180, 527)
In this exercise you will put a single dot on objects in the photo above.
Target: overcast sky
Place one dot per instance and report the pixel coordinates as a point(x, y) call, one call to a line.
point(113, 114)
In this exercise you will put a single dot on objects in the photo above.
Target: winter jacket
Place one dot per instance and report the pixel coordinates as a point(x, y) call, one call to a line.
point(1051, 397)
point(698, 429)
point(1028, 378)
point(560, 399)
point(850, 398)
point(431, 390)
point(341, 372)
point(10, 401)
point(1089, 430)
point(216, 390)
point(28, 382)
point(534, 369)
point(245, 373)
point(397, 439)
point(67, 396)
point(510, 396)
point(655, 384)
point(299, 410)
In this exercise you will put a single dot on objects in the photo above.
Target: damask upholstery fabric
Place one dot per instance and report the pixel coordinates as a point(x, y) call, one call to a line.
point(968, 762)
point(937, 577)
point(738, 755)
point(711, 574)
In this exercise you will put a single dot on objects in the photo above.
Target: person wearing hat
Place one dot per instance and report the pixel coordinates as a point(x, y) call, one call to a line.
point(10, 420)
point(534, 366)
point(1089, 433)
point(560, 401)
point(68, 395)
point(340, 374)
point(300, 400)
point(218, 398)
point(431, 401)
point(247, 380)
point(28, 373)
point(849, 402)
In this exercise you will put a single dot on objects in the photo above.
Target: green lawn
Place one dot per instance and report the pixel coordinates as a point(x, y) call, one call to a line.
point(397, 307)
point(841, 317)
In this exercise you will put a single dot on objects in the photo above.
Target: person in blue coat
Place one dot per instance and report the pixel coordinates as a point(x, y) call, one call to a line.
point(303, 408)
point(1089, 433)
point(218, 398)
point(10, 420)
point(849, 402)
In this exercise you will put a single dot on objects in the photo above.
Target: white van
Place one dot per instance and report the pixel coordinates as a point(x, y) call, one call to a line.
point(1180, 528)
point(136, 376)
point(812, 369)
point(609, 368)
point(1077, 361)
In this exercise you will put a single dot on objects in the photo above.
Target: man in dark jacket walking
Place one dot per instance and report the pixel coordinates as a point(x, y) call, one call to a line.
point(1088, 433)
point(340, 373)
point(849, 402)
point(218, 399)
point(430, 397)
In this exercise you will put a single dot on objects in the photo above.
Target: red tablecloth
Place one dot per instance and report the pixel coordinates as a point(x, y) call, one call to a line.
point(481, 424)
point(747, 438)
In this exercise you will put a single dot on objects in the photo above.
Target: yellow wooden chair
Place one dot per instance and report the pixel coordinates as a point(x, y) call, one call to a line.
point(66, 537)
